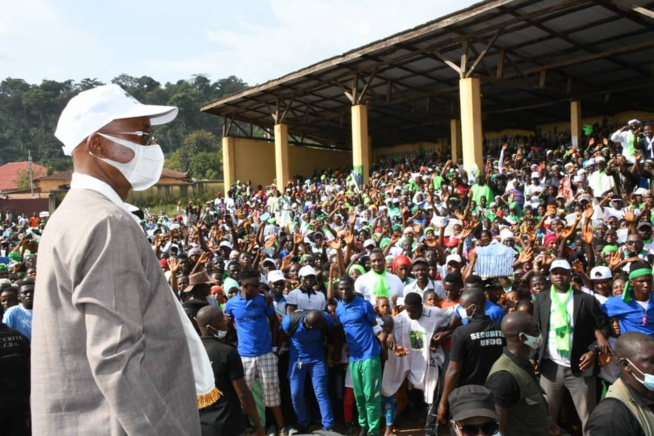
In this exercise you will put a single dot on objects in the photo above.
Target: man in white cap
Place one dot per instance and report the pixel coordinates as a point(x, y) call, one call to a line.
point(569, 320)
point(599, 181)
point(109, 351)
point(306, 297)
point(628, 137)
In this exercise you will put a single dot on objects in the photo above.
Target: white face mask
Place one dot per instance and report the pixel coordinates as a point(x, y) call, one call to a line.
point(533, 341)
point(463, 313)
point(220, 334)
point(647, 380)
point(144, 170)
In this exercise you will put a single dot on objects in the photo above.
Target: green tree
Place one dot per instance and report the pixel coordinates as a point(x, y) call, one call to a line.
point(22, 179)
point(206, 165)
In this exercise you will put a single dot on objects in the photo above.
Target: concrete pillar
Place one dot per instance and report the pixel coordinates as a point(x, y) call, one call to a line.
point(471, 133)
point(455, 139)
point(229, 162)
point(282, 171)
point(576, 128)
point(360, 141)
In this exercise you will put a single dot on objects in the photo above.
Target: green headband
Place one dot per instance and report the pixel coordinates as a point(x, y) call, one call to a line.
point(357, 268)
point(305, 256)
point(626, 294)
point(429, 229)
point(609, 249)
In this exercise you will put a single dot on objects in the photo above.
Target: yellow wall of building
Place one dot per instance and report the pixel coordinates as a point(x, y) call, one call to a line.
point(255, 160)
point(427, 147)
point(619, 118)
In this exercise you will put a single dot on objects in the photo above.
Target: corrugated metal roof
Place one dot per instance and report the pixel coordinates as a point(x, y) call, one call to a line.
point(540, 53)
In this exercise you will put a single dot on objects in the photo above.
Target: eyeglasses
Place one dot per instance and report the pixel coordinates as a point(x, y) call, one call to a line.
point(633, 242)
point(146, 138)
point(486, 429)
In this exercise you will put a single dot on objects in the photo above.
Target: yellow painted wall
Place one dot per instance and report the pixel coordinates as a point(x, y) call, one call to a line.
point(255, 160)
point(619, 118)
point(304, 160)
point(508, 133)
point(428, 147)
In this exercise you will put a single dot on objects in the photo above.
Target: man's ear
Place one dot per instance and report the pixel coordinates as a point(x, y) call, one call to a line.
point(94, 145)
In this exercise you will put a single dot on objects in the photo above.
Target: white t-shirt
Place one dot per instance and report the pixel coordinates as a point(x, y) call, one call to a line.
point(364, 284)
point(550, 351)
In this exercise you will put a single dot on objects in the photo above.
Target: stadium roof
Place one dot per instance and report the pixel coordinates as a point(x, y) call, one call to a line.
point(532, 56)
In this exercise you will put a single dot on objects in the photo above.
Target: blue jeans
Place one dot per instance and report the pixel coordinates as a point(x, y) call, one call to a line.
point(297, 375)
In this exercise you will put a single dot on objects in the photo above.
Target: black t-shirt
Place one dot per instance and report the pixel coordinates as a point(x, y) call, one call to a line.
point(224, 417)
point(504, 386)
point(15, 364)
point(611, 417)
point(478, 345)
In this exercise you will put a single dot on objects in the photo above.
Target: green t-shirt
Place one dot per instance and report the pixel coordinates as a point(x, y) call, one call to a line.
point(479, 191)
point(438, 181)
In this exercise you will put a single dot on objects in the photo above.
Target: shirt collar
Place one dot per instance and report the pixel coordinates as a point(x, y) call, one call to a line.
point(84, 181)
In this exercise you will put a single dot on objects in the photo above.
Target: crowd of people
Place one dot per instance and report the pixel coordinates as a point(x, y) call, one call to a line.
point(468, 301)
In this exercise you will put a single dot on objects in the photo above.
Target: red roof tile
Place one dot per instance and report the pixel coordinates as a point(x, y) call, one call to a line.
point(9, 174)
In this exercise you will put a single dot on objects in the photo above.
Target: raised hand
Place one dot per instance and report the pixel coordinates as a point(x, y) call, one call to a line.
point(204, 258)
point(614, 260)
point(587, 235)
point(335, 244)
point(526, 255)
point(334, 271)
point(286, 262)
point(629, 216)
point(348, 237)
point(270, 241)
point(173, 265)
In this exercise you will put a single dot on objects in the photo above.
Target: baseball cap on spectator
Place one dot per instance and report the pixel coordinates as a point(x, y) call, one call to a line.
point(561, 264)
point(535, 175)
point(275, 276)
point(418, 261)
point(225, 244)
point(307, 271)
point(644, 224)
point(89, 111)
point(369, 243)
point(195, 251)
point(268, 261)
point(453, 258)
point(601, 273)
point(641, 191)
point(163, 262)
point(472, 401)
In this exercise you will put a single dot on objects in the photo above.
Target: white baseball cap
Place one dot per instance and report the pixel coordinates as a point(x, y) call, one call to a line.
point(91, 110)
point(369, 243)
point(453, 258)
point(275, 276)
point(307, 271)
point(560, 263)
point(601, 273)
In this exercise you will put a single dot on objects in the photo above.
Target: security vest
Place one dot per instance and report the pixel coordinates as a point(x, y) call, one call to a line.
point(530, 415)
point(643, 415)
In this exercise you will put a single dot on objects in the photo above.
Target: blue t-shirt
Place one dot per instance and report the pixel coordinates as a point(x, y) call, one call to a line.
point(631, 315)
point(356, 318)
point(251, 319)
point(306, 344)
point(495, 312)
point(19, 319)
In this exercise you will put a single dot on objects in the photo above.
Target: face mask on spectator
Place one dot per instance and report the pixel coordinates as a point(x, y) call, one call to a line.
point(533, 341)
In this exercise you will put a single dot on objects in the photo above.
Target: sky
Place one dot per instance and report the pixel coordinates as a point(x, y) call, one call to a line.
point(256, 40)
